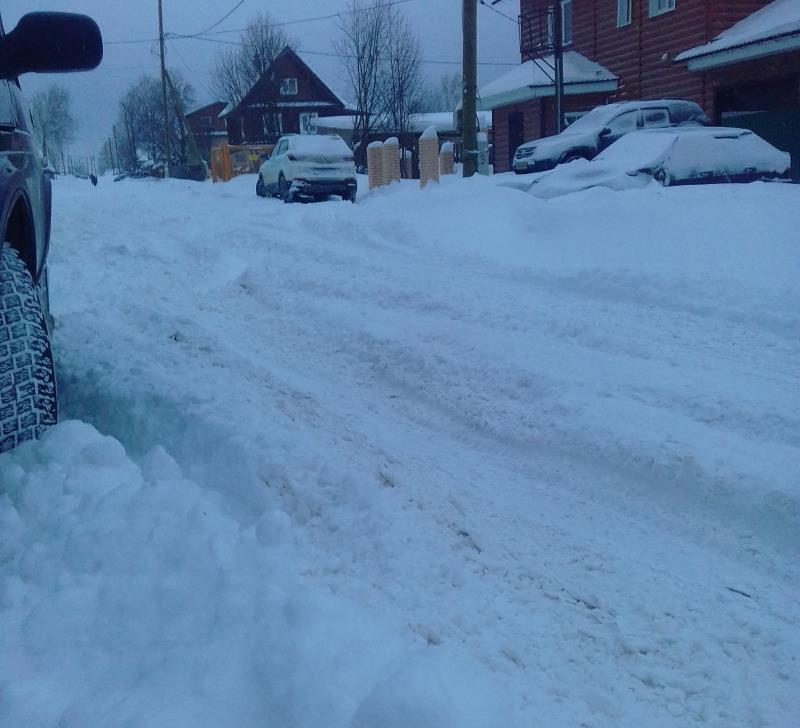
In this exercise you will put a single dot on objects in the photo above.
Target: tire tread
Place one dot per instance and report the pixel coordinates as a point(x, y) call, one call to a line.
point(28, 400)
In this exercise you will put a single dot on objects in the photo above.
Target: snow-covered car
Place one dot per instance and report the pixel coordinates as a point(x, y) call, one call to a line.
point(601, 127)
point(41, 42)
point(310, 167)
point(690, 155)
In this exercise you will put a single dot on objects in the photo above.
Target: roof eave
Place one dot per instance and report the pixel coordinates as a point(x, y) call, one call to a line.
point(737, 54)
point(527, 93)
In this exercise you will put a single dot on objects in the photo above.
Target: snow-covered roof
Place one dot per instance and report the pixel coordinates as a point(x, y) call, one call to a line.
point(534, 78)
point(773, 29)
point(444, 121)
point(335, 83)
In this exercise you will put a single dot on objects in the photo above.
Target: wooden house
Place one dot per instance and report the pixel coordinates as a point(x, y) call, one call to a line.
point(288, 98)
point(616, 50)
point(207, 128)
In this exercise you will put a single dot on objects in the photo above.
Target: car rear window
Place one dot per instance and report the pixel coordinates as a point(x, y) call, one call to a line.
point(313, 144)
point(697, 155)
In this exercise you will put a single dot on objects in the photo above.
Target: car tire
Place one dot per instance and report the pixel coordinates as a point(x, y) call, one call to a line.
point(261, 190)
point(28, 401)
point(350, 196)
point(284, 191)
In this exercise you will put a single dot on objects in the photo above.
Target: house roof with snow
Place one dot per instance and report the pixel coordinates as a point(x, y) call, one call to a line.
point(535, 79)
point(330, 90)
point(773, 29)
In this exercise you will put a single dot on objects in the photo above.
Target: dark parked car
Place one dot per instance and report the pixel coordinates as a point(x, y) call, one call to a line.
point(600, 128)
point(41, 42)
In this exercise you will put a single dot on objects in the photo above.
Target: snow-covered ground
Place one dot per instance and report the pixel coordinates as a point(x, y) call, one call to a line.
point(452, 458)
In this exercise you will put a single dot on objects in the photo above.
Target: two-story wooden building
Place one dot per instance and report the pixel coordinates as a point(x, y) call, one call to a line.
point(287, 98)
point(207, 128)
point(617, 50)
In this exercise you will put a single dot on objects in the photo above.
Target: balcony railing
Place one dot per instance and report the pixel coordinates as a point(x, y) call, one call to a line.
point(536, 36)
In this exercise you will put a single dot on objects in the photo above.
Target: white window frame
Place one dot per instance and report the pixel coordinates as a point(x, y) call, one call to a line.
point(564, 40)
point(277, 117)
point(659, 7)
point(624, 12)
point(288, 87)
point(308, 122)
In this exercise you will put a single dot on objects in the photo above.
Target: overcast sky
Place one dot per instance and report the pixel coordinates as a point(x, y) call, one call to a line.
point(96, 94)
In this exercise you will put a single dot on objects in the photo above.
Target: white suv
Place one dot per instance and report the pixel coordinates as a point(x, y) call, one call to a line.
point(308, 166)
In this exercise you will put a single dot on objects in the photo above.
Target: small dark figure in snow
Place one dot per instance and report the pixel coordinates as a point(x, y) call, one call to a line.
point(93, 178)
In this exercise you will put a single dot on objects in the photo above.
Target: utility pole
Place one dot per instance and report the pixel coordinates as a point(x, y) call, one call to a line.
point(164, 90)
point(116, 148)
point(469, 101)
point(558, 63)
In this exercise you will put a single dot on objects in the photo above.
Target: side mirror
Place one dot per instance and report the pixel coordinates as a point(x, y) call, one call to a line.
point(605, 133)
point(51, 43)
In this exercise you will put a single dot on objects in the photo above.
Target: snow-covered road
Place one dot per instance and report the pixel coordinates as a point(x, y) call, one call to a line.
point(503, 461)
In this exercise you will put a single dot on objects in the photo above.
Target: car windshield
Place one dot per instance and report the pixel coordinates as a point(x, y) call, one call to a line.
point(593, 121)
point(637, 150)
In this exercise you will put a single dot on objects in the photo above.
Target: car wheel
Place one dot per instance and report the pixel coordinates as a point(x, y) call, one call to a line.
point(284, 192)
point(350, 196)
point(261, 190)
point(27, 380)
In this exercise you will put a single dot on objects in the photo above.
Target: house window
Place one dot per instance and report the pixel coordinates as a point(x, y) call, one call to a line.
point(205, 123)
point(658, 7)
point(624, 13)
point(308, 123)
point(566, 23)
point(271, 124)
point(289, 87)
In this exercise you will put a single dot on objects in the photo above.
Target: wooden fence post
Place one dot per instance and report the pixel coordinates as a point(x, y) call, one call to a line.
point(447, 159)
point(429, 156)
point(375, 164)
point(391, 160)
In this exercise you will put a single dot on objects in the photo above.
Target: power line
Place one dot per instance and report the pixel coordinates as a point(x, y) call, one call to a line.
point(191, 72)
point(222, 19)
point(332, 16)
point(313, 19)
point(331, 54)
point(499, 12)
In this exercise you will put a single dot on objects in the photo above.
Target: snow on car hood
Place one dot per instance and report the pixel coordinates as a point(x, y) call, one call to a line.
point(554, 146)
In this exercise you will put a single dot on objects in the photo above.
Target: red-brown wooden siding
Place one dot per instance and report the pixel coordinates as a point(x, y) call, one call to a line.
point(641, 54)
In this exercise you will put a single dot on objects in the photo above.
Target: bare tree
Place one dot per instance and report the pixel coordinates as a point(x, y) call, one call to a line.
point(401, 76)
point(53, 119)
point(446, 95)
point(363, 32)
point(141, 116)
point(238, 69)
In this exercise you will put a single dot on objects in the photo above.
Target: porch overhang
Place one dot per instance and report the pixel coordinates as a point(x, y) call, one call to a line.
point(538, 92)
point(533, 79)
point(712, 59)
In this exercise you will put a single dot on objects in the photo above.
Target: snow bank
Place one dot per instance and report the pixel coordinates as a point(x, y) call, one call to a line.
point(129, 597)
